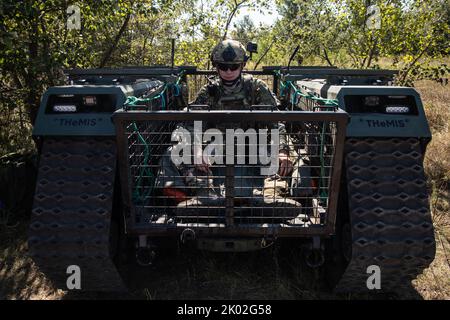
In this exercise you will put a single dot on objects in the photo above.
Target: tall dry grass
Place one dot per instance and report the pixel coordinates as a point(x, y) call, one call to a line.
point(436, 99)
point(434, 282)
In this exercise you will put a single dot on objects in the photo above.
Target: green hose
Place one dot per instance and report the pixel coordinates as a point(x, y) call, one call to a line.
point(145, 171)
point(139, 195)
point(326, 102)
point(132, 101)
point(323, 194)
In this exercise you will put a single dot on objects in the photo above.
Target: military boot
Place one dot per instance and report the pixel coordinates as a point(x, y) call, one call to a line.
point(275, 195)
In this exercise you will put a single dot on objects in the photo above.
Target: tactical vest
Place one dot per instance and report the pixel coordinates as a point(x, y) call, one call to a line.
point(236, 101)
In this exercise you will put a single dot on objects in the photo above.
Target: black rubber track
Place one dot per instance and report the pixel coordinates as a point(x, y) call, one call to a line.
point(389, 212)
point(71, 218)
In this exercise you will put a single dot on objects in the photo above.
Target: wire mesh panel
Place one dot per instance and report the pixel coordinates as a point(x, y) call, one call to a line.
point(250, 170)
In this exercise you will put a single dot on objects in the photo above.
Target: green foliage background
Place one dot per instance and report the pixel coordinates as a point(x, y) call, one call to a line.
point(36, 45)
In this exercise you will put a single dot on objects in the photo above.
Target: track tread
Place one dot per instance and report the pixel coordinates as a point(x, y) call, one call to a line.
point(389, 212)
point(71, 217)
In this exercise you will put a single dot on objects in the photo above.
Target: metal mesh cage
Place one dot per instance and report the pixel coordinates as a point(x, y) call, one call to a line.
point(169, 184)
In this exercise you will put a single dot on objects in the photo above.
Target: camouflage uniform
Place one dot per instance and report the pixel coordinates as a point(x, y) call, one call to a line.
point(246, 91)
point(249, 92)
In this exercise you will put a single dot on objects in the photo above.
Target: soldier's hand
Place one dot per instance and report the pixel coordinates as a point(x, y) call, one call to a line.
point(286, 165)
point(204, 168)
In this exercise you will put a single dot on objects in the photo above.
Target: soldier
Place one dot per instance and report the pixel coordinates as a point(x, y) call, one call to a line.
point(234, 91)
point(231, 90)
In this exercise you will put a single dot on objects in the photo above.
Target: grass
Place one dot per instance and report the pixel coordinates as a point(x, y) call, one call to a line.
point(258, 275)
point(437, 159)
point(19, 276)
point(267, 274)
point(434, 282)
point(190, 275)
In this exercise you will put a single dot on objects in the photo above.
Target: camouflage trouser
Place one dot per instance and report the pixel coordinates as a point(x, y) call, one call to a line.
point(190, 180)
point(248, 181)
point(280, 186)
point(182, 177)
point(274, 186)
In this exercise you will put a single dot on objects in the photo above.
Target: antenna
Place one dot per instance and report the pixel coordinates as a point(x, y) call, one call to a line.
point(292, 56)
point(172, 57)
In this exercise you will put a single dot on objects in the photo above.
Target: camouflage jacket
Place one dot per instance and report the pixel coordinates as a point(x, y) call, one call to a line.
point(250, 91)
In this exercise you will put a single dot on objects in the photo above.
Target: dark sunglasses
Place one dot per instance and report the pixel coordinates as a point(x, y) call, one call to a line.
point(225, 67)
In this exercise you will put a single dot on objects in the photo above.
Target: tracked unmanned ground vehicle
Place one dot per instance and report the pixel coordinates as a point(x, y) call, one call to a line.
point(357, 143)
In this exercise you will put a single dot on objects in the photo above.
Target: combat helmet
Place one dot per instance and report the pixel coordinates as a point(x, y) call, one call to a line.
point(229, 51)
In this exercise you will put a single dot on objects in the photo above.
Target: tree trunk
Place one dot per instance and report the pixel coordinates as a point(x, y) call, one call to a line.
point(230, 17)
point(411, 65)
point(30, 75)
point(325, 55)
point(111, 49)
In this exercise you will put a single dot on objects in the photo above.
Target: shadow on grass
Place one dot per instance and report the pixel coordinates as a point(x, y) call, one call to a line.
point(19, 276)
point(277, 273)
